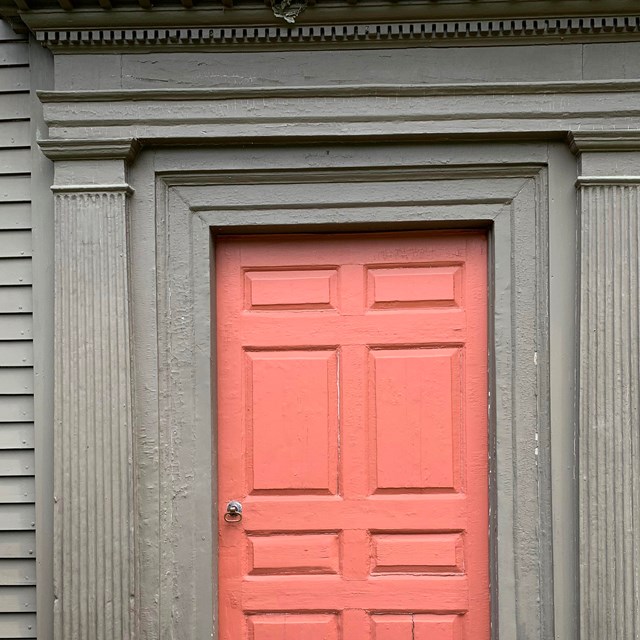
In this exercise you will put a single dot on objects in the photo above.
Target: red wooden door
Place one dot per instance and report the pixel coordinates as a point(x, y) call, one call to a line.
point(352, 427)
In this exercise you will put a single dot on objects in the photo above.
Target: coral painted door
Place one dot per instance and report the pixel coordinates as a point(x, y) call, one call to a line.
point(352, 428)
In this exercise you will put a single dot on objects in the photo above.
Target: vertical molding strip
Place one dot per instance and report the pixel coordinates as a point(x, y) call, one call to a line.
point(93, 513)
point(609, 451)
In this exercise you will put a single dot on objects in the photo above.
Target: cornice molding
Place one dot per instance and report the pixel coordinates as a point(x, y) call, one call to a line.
point(580, 141)
point(347, 91)
point(117, 149)
point(69, 39)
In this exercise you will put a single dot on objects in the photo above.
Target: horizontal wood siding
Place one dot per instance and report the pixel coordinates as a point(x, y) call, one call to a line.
point(17, 481)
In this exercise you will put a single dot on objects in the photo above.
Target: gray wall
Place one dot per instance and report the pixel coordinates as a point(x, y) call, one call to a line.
point(17, 481)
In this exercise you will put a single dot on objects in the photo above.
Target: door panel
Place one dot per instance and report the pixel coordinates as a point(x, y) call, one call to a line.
point(352, 427)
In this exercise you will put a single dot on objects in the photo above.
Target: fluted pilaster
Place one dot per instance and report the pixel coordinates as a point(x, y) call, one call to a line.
point(93, 515)
point(609, 434)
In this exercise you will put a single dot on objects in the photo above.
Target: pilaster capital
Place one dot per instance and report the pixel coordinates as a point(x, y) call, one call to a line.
point(125, 149)
point(607, 157)
point(103, 176)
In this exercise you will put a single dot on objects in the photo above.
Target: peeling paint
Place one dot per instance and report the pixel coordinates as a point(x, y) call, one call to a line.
point(289, 10)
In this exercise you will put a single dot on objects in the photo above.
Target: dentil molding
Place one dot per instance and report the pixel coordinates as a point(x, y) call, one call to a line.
point(374, 34)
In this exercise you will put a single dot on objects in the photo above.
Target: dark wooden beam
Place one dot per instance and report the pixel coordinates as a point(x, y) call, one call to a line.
point(67, 5)
point(145, 4)
point(187, 4)
point(105, 4)
point(23, 5)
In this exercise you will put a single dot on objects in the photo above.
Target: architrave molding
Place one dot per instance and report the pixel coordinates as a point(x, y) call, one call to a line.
point(80, 120)
point(189, 200)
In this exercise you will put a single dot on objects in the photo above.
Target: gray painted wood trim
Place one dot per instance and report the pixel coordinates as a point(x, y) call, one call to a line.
point(93, 474)
point(173, 406)
point(609, 388)
point(180, 94)
point(563, 289)
point(41, 64)
point(324, 114)
point(379, 34)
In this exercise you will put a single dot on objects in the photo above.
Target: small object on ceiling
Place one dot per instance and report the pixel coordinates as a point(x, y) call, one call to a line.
point(288, 9)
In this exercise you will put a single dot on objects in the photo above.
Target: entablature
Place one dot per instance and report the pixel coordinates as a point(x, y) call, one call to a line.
point(76, 26)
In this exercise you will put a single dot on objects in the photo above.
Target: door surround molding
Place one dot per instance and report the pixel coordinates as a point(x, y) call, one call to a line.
point(96, 142)
point(173, 386)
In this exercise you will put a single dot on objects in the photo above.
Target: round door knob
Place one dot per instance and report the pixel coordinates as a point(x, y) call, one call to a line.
point(233, 512)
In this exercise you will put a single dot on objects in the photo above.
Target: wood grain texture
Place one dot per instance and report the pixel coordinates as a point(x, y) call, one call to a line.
point(93, 514)
point(609, 389)
point(354, 434)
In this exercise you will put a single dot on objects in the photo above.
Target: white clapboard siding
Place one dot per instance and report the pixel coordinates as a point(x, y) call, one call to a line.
point(16, 408)
point(18, 462)
point(16, 381)
point(17, 489)
point(14, 78)
point(14, 161)
point(12, 105)
point(17, 517)
point(15, 188)
point(14, 54)
point(16, 572)
point(16, 353)
point(15, 271)
point(17, 544)
point(16, 300)
point(15, 243)
point(17, 625)
point(14, 134)
point(16, 435)
point(15, 216)
point(17, 599)
point(15, 327)
point(17, 479)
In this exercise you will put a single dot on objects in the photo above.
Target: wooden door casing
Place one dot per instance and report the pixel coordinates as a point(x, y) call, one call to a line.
point(352, 426)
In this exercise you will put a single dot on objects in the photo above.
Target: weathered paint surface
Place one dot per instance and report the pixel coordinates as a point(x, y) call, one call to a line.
point(608, 411)
point(352, 408)
point(17, 438)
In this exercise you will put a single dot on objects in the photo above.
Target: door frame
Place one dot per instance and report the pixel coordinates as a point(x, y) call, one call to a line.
point(501, 188)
